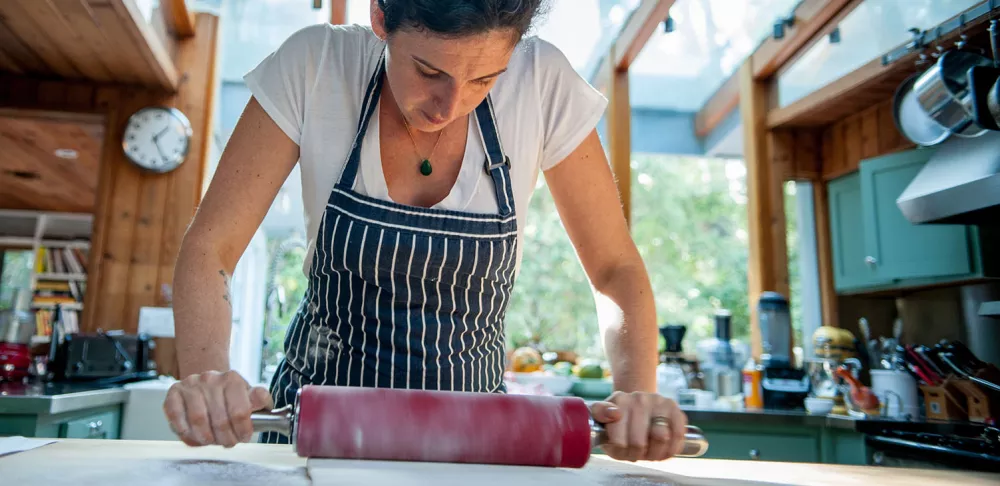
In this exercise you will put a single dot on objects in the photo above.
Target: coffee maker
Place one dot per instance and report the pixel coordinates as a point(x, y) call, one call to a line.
point(784, 386)
point(673, 356)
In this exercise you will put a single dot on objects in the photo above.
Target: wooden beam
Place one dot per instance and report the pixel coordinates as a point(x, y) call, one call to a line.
point(179, 20)
point(338, 12)
point(151, 48)
point(718, 107)
point(813, 19)
point(824, 254)
point(768, 262)
point(620, 140)
point(633, 36)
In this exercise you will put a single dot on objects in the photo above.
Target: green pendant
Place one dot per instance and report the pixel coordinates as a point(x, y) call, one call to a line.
point(425, 167)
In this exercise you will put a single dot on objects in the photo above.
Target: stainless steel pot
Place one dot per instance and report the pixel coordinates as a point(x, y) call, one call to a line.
point(17, 324)
point(944, 94)
point(912, 121)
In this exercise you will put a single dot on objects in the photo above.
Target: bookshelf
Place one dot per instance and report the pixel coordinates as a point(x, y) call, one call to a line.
point(60, 245)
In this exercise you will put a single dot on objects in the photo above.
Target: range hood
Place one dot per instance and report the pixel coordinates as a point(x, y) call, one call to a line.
point(960, 184)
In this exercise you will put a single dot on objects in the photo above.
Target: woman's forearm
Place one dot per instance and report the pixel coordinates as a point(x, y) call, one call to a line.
point(202, 310)
point(627, 317)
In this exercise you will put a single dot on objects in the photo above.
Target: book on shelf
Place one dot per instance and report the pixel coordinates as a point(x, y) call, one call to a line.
point(45, 319)
point(60, 276)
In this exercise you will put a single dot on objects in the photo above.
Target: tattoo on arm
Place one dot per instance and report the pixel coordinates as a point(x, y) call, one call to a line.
point(225, 296)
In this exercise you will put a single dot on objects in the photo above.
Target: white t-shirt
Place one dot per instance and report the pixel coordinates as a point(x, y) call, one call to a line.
point(312, 87)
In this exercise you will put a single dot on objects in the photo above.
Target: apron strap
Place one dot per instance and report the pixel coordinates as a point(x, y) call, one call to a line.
point(497, 163)
point(372, 95)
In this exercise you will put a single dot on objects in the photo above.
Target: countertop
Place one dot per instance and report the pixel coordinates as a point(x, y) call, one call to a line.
point(53, 398)
point(162, 463)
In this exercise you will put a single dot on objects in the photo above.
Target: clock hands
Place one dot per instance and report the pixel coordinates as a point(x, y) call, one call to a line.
point(156, 142)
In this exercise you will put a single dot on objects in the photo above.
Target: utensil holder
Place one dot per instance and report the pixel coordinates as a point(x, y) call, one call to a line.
point(981, 408)
point(943, 402)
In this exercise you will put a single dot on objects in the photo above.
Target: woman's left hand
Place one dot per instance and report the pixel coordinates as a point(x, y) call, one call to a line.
point(641, 426)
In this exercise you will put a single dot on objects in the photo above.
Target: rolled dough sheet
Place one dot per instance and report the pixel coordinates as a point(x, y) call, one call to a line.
point(598, 472)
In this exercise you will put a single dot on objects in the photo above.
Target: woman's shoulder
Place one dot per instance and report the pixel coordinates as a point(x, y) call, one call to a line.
point(348, 39)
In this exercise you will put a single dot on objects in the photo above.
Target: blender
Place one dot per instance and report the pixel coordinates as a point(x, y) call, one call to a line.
point(784, 386)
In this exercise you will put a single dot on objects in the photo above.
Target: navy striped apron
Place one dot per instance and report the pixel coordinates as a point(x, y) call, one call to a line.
point(402, 296)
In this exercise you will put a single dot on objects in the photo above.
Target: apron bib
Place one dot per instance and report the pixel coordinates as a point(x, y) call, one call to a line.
point(403, 296)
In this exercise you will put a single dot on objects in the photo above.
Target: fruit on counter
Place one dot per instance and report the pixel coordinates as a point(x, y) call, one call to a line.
point(526, 360)
point(563, 368)
point(590, 369)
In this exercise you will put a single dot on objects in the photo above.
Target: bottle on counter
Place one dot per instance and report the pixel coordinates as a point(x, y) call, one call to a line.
point(753, 392)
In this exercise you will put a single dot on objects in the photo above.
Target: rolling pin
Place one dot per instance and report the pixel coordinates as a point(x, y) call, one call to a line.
point(334, 422)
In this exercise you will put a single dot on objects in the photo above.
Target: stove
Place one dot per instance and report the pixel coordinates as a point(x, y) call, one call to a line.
point(932, 445)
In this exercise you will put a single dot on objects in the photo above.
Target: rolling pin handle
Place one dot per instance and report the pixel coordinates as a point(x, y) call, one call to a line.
point(278, 420)
point(695, 444)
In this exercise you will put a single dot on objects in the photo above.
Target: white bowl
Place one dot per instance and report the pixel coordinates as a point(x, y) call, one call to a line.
point(819, 406)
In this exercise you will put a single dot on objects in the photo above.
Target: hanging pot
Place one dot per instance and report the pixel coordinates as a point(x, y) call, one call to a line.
point(944, 93)
point(993, 102)
point(912, 121)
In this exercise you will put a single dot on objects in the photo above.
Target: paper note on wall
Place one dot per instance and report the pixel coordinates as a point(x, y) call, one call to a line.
point(157, 321)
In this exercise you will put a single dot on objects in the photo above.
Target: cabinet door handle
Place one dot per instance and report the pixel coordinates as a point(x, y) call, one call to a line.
point(97, 430)
point(754, 454)
point(871, 262)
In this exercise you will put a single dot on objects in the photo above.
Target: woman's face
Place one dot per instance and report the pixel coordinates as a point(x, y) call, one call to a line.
point(436, 80)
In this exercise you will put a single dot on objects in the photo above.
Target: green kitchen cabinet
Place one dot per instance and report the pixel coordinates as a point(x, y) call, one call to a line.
point(92, 423)
point(750, 442)
point(875, 247)
point(847, 225)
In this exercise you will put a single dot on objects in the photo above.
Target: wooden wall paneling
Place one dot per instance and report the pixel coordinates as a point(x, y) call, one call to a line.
point(824, 255)
point(8, 63)
point(852, 142)
point(869, 133)
point(781, 147)
point(111, 27)
point(93, 35)
point(768, 262)
point(66, 38)
point(620, 139)
point(889, 138)
point(114, 116)
point(22, 24)
point(151, 46)
point(17, 51)
point(836, 166)
point(808, 159)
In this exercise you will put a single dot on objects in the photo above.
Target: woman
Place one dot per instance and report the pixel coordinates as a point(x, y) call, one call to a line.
point(420, 141)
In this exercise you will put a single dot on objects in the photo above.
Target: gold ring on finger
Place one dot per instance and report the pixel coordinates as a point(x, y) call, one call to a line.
point(660, 420)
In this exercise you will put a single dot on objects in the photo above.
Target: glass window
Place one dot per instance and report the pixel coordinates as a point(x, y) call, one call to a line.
point(689, 223)
point(871, 30)
point(252, 29)
point(680, 70)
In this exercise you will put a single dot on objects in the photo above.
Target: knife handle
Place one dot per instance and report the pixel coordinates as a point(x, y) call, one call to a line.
point(695, 444)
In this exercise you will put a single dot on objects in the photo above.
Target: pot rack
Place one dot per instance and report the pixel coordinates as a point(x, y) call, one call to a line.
point(925, 38)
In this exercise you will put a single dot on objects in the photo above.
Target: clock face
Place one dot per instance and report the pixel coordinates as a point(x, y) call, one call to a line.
point(157, 138)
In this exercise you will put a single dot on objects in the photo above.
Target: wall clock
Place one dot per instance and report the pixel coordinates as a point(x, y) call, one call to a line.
point(157, 138)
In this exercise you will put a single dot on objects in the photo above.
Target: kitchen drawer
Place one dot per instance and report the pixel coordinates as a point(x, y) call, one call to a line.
point(97, 426)
point(762, 446)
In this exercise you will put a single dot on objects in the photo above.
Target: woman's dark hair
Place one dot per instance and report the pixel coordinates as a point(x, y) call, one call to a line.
point(456, 18)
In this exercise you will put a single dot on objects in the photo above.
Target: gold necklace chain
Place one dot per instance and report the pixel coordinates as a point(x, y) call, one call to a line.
point(425, 164)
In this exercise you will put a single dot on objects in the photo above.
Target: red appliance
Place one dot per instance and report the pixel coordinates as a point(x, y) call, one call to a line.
point(15, 361)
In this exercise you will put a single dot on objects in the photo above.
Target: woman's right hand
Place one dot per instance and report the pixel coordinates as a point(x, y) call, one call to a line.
point(213, 408)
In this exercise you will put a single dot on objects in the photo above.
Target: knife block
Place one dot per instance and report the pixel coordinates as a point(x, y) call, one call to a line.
point(981, 408)
point(945, 402)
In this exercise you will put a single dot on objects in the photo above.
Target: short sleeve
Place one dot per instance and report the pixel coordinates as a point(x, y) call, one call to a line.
point(571, 107)
point(281, 83)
